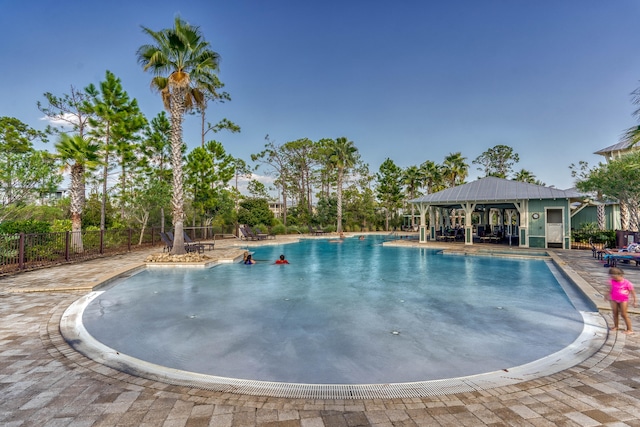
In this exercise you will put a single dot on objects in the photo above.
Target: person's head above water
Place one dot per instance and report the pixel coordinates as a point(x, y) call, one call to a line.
point(281, 260)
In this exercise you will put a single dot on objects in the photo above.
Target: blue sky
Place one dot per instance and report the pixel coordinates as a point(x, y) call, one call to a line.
point(409, 80)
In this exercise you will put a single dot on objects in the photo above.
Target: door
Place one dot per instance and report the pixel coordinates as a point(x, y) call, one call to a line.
point(555, 228)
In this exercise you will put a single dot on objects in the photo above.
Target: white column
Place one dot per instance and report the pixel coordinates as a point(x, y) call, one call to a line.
point(468, 227)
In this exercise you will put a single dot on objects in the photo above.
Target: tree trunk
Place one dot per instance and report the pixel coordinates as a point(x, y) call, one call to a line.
point(339, 201)
point(76, 233)
point(284, 206)
point(177, 200)
point(601, 217)
point(145, 220)
point(77, 205)
point(624, 215)
point(103, 205)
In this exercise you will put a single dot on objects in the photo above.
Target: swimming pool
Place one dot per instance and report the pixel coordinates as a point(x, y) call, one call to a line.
point(341, 313)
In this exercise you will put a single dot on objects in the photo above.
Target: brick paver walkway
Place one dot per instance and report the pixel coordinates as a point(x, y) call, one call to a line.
point(43, 382)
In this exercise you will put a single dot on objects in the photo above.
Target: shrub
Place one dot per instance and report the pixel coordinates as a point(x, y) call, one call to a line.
point(294, 229)
point(60, 225)
point(28, 226)
point(279, 229)
point(590, 232)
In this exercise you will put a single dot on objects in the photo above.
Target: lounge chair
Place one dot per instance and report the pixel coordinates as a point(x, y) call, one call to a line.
point(259, 233)
point(248, 234)
point(316, 231)
point(612, 259)
point(168, 243)
point(189, 241)
point(189, 247)
point(458, 234)
point(254, 235)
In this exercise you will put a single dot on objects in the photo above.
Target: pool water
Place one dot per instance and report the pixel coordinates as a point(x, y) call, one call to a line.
point(341, 313)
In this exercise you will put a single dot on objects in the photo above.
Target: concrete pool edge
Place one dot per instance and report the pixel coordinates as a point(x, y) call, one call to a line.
point(589, 291)
point(588, 344)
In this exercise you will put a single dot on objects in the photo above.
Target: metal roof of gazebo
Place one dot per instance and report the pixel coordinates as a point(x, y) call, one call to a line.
point(492, 189)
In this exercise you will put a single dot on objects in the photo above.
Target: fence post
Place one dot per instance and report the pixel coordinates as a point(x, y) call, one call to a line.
point(67, 240)
point(21, 252)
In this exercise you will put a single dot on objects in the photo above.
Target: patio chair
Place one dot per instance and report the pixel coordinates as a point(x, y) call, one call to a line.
point(612, 259)
point(248, 234)
point(168, 243)
point(189, 247)
point(597, 253)
point(244, 235)
point(452, 237)
point(189, 241)
point(316, 231)
point(259, 233)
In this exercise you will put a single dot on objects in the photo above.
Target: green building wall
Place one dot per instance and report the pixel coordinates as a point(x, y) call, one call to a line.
point(589, 215)
point(537, 226)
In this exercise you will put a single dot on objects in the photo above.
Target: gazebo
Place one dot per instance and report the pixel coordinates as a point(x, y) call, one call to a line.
point(528, 214)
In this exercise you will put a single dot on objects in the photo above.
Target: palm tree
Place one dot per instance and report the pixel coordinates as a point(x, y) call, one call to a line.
point(456, 169)
point(413, 178)
point(79, 155)
point(179, 59)
point(631, 136)
point(343, 155)
point(433, 176)
point(524, 175)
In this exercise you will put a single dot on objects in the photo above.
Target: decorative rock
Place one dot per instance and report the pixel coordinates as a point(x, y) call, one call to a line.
point(185, 258)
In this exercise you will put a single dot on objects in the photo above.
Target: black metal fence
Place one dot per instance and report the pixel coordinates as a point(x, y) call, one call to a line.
point(22, 252)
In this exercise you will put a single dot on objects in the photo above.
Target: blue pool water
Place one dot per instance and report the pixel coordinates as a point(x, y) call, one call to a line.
point(350, 313)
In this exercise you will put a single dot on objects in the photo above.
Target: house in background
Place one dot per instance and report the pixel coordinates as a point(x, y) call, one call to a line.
point(618, 150)
point(55, 196)
point(607, 214)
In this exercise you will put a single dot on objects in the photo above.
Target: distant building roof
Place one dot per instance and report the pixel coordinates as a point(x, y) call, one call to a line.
point(624, 145)
point(492, 189)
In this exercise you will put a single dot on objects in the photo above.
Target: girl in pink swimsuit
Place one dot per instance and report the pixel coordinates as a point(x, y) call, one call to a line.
point(621, 288)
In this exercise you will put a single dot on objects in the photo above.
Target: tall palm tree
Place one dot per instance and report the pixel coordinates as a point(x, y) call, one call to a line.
point(433, 176)
point(179, 59)
point(343, 155)
point(413, 178)
point(456, 169)
point(79, 155)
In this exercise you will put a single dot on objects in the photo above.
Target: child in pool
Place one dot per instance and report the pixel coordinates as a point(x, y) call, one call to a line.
point(248, 260)
point(282, 260)
point(621, 289)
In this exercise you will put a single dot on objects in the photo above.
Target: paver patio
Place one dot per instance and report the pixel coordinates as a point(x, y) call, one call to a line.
point(43, 382)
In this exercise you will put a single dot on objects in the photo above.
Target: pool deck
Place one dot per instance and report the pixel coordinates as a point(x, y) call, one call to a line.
point(43, 382)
